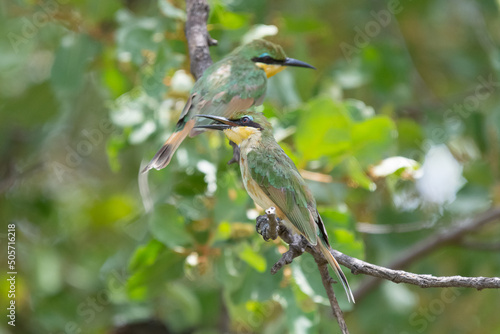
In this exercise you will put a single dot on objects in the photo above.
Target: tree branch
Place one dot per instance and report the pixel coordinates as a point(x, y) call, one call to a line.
point(299, 244)
point(273, 222)
point(327, 283)
point(451, 235)
point(490, 247)
point(197, 36)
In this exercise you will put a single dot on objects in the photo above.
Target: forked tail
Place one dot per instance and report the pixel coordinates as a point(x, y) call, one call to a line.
point(164, 155)
point(335, 265)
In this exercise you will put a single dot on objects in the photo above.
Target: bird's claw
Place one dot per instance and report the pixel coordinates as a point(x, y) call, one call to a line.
point(262, 227)
point(236, 153)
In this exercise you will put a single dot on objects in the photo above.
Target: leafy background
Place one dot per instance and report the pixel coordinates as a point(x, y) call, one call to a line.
point(90, 89)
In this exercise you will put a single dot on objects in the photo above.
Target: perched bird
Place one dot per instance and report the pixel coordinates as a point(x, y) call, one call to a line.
point(272, 180)
point(235, 83)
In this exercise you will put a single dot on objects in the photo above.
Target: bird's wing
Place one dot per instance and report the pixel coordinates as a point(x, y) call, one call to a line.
point(279, 179)
point(224, 95)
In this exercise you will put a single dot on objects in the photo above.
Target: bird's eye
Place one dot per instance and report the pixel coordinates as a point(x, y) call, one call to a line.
point(245, 119)
point(266, 59)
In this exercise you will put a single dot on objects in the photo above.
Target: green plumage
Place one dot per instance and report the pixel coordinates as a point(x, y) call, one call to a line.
point(232, 84)
point(272, 180)
point(279, 179)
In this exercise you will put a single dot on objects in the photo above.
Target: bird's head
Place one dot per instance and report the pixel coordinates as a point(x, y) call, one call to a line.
point(268, 56)
point(241, 127)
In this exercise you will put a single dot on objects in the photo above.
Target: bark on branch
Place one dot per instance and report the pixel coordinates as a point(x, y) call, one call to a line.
point(268, 225)
point(197, 36)
point(451, 235)
point(298, 244)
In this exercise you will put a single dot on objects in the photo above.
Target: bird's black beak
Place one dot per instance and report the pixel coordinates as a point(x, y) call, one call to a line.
point(296, 63)
point(222, 123)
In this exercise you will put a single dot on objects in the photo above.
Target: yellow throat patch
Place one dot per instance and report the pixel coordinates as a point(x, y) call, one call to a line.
point(240, 133)
point(270, 69)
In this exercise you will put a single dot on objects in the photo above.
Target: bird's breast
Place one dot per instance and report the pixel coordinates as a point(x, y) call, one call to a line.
point(252, 187)
point(256, 192)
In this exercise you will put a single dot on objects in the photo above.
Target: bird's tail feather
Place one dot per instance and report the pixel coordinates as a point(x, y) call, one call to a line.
point(340, 274)
point(165, 153)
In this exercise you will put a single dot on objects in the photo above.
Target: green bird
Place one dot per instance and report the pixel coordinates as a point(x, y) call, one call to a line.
point(233, 84)
point(272, 180)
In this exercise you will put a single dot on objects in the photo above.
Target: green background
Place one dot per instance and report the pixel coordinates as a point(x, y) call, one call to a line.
point(90, 89)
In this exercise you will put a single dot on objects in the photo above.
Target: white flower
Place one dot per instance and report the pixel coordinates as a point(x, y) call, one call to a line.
point(442, 176)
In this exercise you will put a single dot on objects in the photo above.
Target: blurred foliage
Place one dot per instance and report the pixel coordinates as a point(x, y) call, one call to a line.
point(89, 89)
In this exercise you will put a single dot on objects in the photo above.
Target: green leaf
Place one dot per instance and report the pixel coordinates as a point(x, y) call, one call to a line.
point(230, 20)
point(223, 231)
point(254, 259)
point(358, 110)
point(357, 174)
point(168, 226)
point(146, 256)
point(148, 280)
point(410, 135)
point(256, 285)
point(333, 130)
point(340, 226)
point(300, 24)
point(324, 129)
point(373, 139)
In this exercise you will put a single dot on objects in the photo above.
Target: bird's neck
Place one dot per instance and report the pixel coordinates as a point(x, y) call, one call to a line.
point(243, 135)
point(270, 69)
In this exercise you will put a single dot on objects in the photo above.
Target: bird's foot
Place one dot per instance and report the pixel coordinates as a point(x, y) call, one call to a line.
point(268, 225)
point(236, 153)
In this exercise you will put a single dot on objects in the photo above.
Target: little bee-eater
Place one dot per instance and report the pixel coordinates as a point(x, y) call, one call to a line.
point(233, 84)
point(272, 180)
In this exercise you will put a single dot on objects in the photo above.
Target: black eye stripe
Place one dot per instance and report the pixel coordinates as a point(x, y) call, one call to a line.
point(246, 121)
point(267, 60)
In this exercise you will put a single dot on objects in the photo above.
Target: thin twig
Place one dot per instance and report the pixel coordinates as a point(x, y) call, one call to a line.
point(424, 281)
point(397, 276)
point(297, 246)
point(424, 247)
point(480, 246)
point(392, 228)
point(327, 283)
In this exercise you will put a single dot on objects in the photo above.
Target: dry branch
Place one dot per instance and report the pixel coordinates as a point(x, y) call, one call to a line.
point(298, 244)
point(453, 234)
point(197, 36)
